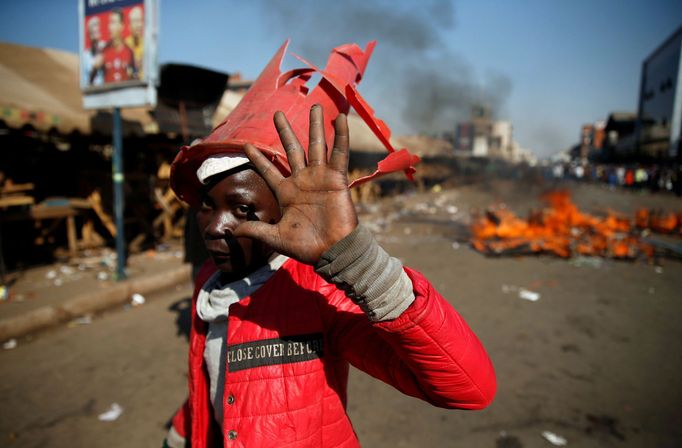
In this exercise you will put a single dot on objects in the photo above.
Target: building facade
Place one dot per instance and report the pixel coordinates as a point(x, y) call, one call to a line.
point(660, 100)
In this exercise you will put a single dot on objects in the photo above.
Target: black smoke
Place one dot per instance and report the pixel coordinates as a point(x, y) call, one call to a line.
point(414, 80)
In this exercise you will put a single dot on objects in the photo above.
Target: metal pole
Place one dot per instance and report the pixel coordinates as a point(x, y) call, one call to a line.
point(117, 165)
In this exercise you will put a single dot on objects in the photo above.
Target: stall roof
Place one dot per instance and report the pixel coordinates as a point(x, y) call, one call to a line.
point(40, 87)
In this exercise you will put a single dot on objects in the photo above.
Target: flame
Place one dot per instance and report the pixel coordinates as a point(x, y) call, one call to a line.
point(563, 230)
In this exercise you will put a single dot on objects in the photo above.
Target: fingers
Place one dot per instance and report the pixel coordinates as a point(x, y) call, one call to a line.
point(339, 157)
point(260, 231)
point(266, 169)
point(317, 146)
point(295, 153)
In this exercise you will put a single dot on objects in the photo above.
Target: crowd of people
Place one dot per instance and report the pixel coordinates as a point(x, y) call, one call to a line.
point(121, 57)
point(652, 177)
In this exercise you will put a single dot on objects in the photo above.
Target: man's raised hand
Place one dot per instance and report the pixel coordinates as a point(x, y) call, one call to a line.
point(317, 210)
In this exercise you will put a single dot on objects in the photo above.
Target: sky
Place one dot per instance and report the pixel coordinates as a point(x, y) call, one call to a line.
point(546, 66)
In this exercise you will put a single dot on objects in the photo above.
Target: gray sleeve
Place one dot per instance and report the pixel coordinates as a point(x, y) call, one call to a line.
point(368, 275)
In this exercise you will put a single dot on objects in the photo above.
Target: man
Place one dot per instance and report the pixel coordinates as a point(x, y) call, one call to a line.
point(117, 59)
point(92, 71)
point(136, 39)
point(297, 289)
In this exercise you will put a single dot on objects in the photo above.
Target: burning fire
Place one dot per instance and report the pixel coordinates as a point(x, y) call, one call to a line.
point(563, 230)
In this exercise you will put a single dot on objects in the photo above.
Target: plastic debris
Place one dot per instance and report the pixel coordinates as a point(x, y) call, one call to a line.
point(451, 209)
point(591, 262)
point(658, 269)
point(66, 270)
point(102, 276)
point(4, 292)
point(554, 439)
point(83, 320)
point(527, 294)
point(51, 275)
point(58, 282)
point(137, 299)
point(113, 413)
point(455, 245)
point(509, 288)
point(9, 345)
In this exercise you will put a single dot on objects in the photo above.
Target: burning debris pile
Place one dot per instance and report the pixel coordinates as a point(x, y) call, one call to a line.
point(563, 230)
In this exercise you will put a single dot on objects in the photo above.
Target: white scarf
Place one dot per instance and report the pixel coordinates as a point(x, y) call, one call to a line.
point(215, 298)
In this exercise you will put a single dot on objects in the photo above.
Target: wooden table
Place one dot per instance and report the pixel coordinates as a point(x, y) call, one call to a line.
point(42, 212)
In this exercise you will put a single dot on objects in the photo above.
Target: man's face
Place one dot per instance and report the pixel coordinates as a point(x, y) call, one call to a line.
point(238, 197)
point(115, 25)
point(93, 29)
point(136, 19)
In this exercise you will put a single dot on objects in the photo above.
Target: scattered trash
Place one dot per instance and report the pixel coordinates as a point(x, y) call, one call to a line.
point(83, 320)
point(4, 292)
point(66, 270)
point(108, 260)
point(9, 345)
point(658, 269)
point(113, 413)
point(455, 245)
point(554, 439)
point(590, 262)
point(151, 253)
point(451, 209)
point(507, 441)
point(529, 295)
point(58, 282)
point(102, 276)
point(509, 288)
point(137, 299)
point(51, 275)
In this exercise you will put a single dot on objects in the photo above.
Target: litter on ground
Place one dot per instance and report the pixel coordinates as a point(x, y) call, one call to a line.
point(111, 414)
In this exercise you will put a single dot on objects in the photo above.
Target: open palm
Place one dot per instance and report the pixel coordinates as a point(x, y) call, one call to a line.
point(317, 210)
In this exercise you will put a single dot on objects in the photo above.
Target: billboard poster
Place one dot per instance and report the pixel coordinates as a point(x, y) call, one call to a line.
point(118, 52)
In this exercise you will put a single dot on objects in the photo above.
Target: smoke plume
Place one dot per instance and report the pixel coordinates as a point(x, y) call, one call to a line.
point(414, 80)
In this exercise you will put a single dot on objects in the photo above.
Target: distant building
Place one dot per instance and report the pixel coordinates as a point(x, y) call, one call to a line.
point(484, 137)
point(464, 137)
point(592, 141)
point(659, 121)
point(620, 133)
point(500, 141)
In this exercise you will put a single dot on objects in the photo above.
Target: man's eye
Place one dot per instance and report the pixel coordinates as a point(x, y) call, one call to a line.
point(244, 209)
point(206, 204)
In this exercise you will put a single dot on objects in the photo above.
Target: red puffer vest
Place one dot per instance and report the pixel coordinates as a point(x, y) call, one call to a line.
point(289, 345)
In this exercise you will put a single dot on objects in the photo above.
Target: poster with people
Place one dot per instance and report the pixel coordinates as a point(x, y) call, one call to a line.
point(113, 42)
point(116, 46)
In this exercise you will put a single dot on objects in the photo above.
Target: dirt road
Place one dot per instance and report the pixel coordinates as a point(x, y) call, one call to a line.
point(594, 360)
